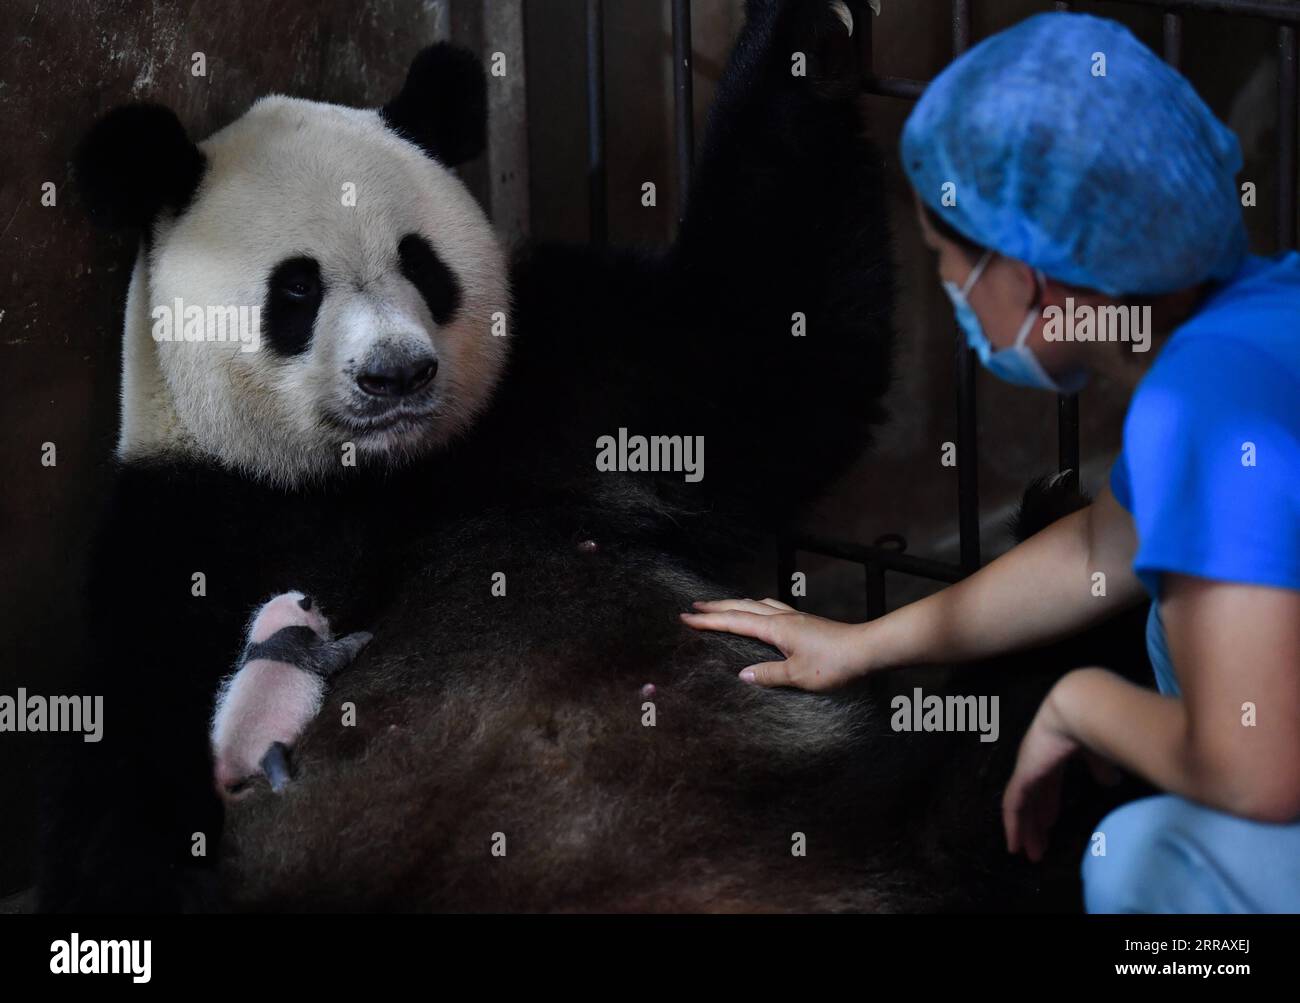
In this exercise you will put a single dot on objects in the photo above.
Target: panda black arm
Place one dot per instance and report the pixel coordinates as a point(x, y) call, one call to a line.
point(783, 259)
point(766, 327)
point(120, 816)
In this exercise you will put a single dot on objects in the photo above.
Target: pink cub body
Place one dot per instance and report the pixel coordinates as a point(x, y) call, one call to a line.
point(266, 701)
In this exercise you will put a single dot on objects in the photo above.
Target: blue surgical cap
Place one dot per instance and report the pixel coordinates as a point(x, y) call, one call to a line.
point(1123, 183)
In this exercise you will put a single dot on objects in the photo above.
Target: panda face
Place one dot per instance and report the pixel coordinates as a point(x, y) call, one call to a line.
point(373, 277)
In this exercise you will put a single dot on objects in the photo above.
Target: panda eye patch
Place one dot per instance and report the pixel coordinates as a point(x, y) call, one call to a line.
point(298, 278)
point(294, 294)
point(426, 271)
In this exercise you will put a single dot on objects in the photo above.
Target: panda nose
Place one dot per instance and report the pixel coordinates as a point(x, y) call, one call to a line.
point(397, 377)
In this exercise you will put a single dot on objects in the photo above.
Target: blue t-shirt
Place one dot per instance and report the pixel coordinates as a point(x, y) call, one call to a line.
point(1210, 468)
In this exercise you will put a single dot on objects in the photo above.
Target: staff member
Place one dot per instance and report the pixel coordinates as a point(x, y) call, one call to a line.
point(1063, 159)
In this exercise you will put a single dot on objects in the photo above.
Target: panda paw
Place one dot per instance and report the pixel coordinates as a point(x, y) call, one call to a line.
point(845, 13)
point(276, 690)
point(842, 11)
point(825, 32)
point(1046, 500)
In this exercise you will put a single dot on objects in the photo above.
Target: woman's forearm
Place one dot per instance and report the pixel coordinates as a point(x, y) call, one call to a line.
point(1074, 573)
point(1152, 736)
point(1133, 727)
point(1044, 589)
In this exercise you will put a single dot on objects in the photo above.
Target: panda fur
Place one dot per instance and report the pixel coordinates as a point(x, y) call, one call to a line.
point(487, 721)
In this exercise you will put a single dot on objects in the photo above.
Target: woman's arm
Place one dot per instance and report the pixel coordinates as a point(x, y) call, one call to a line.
point(1232, 742)
point(1039, 591)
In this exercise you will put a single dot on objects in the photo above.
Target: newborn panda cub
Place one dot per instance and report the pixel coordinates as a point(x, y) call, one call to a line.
point(276, 690)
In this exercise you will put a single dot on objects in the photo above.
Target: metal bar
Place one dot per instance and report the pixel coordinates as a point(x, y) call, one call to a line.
point(877, 601)
point(785, 569)
point(1067, 405)
point(1067, 437)
point(865, 29)
point(1275, 10)
point(893, 87)
point(968, 519)
point(889, 560)
point(683, 101)
point(875, 591)
point(597, 181)
point(1288, 96)
point(508, 191)
point(1173, 38)
point(968, 505)
point(960, 26)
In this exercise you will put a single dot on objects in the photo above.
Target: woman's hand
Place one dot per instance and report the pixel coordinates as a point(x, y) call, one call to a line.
point(819, 654)
point(1032, 800)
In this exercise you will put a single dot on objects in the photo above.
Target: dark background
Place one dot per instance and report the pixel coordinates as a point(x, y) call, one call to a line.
point(63, 287)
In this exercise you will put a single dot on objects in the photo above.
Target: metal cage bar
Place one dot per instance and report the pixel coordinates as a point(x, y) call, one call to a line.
point(1288, 96)
point(683, 101)
point(1172, 30)
point(597, 181)
point(1067, 438)
point(968, 502)
point(1274, 10)
point(876, 560)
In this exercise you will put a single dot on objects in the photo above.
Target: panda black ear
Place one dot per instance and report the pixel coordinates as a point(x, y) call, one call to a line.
point(442, 107)
point(134, 162)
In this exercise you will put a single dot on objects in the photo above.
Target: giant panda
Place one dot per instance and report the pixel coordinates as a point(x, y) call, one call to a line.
point(414, 444)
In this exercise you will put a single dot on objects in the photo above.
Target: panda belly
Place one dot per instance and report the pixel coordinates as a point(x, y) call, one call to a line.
point(494, 764)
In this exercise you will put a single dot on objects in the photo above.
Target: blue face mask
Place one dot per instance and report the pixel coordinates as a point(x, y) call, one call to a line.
point(1016, 363)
